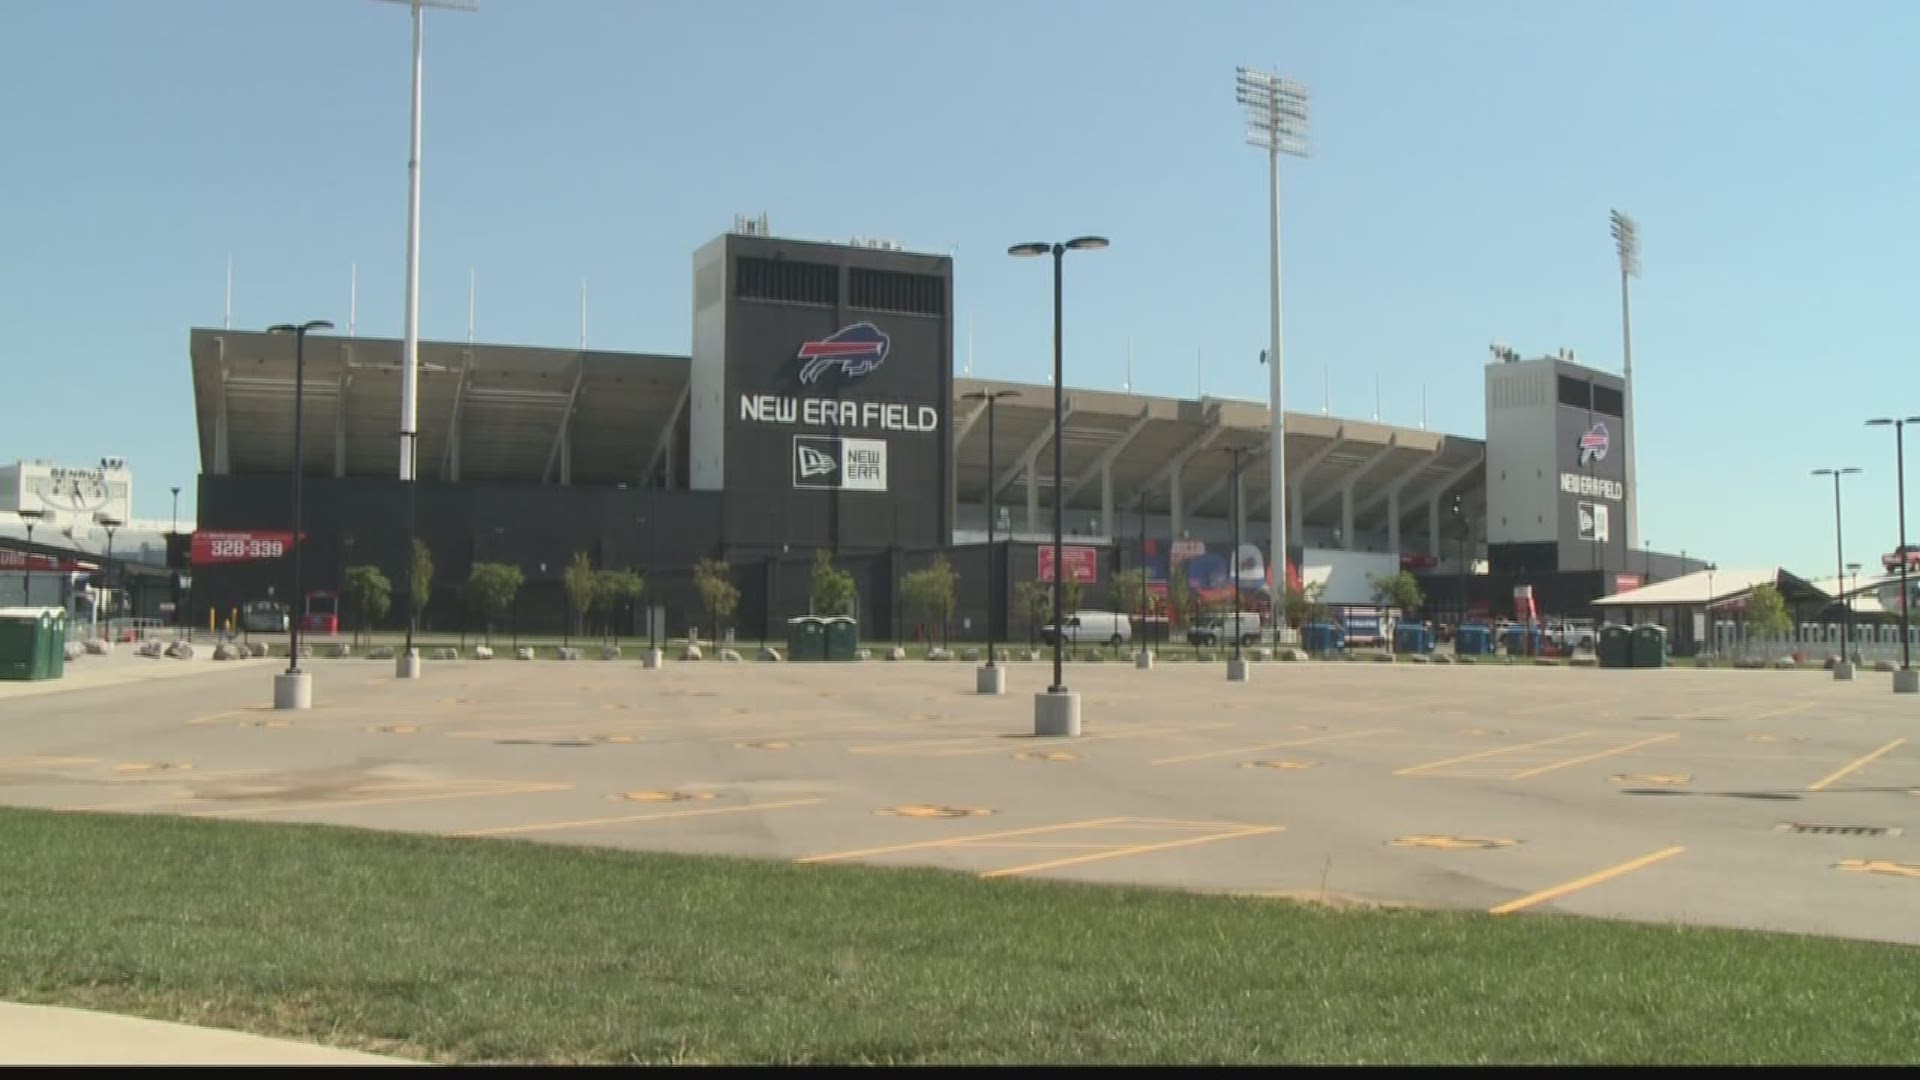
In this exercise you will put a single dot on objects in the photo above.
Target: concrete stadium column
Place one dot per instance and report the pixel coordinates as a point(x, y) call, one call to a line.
point(1106, 500)
point(1175, 511)
point(1240, 512)
point(1033, 498)
point(1433, 526)
point(1346, 517)
point(1393, 520)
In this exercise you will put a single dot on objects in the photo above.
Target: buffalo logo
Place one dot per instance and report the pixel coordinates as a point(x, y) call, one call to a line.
point(812, 463)
point(1593, 444)
point(856, 350)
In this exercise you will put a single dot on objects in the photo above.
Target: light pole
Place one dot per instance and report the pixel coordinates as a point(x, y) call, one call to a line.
point(30, 518)
point(294, 688)
point(991, 679)
point(1626, 242)
point(1466, 527)
point(176, 509)
point(1277, 123)
point(1713, 633)
point(1844, 669)
point(1237, 666)
point(1057, 712)
point(1905, 681)
point(106, 568)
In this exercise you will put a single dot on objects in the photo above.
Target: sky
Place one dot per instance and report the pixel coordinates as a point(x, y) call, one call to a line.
point(1464, 159)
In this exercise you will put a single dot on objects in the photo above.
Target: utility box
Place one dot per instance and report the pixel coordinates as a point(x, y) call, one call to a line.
point(807, 638)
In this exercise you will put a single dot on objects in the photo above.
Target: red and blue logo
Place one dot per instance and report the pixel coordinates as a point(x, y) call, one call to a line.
point(856, 350)
point(1593, 444)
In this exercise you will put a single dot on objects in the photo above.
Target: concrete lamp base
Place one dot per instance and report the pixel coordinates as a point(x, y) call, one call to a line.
point(293, 690)
point(407, 665)
point(1143, 660)
point(1236, 669)
point(1906, 681)
point(990, 680)
point(1843, 671)
point(1056, 714)
point(652, 658)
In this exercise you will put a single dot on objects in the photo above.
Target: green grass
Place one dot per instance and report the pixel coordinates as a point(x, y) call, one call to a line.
point(475, 950)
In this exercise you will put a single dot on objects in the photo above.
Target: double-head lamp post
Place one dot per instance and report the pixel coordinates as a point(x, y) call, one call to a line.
point(1901, 683)
point(299, 405)
point(1840, 555)
point(991, 398)
point(30, 518)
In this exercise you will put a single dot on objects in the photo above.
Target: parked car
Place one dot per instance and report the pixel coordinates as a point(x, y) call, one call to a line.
point(1909, 555)
point(1110, 627)
point(1221, 629)
point(263, 617)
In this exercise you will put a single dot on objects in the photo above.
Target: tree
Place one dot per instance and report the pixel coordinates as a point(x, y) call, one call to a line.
point(930, 592)
point(578, 580)
point(829, 591)
point(1127, 592)
point(1297, 607)
point(1767, 611)
point(1401, 590)
point(1070, 595)
point(420, 581)
point(368, 594)
point(1179, 594)
point(712, 578)
point(1035, 598)
point(612, 589)
point(490, 590)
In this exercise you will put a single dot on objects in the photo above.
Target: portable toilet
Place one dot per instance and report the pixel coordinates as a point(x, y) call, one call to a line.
point(1412, 637)
point(1473, 639)
point(1649, 645)
point(1614, 646)
point(1322, 638)
point(807, 638)
point(842, 637)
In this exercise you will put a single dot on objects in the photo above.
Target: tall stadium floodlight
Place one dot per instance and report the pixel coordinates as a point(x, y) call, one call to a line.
point(294, 688)
point(1905, 681)
point(1057, 712)
point(1277, 123)
point(990, 679)
point(1844, 669)
point(1626, 241)
point(408, 665)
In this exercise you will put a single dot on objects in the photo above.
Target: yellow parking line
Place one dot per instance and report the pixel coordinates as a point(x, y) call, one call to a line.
point(548, 826)
point(1137, 849)
point(1552, 706)
point(1581, 883)
point(1782, 711)
point(1522, 775)
point(1411, 769)
point(1272, 746)
point(832, 856)
point(1820, 784)
point(31, 762)
point(1054, 844)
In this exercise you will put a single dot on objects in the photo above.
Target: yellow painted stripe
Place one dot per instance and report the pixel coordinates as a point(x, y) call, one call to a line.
point(1411, 769)
point(831, 856)
point(1580, 883)
point(1137, 849)
point(1820, 784)
point(1522, 775)
point(549, 826)
point(1782, 711)
point(43, 762)
point(1272, 746)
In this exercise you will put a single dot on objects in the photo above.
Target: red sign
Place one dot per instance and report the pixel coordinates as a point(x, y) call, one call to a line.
point(1414, 560)
point(1625, 582)
point(1083, 563)
point(1187, 549)
point(20, 560)
point(247, 546)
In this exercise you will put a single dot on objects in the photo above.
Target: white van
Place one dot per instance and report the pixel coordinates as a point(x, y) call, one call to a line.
point(1094, 628)
point(1224, 628)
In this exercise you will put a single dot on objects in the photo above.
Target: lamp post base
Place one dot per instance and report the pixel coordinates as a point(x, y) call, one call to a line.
point(1906, 681)
point(293, 690)
point(652, 658)
point(1143, 660)
point(1843, 671)
point(1056, 714)
point(407, 665)
point(1236, 669)
point(990, 679)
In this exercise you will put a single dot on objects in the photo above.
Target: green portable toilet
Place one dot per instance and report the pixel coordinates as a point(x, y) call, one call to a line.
point(32, 643)
point(843, 637)
point(807, 638)
point(1614, 646)
point(1649, 645)
point(55, 636)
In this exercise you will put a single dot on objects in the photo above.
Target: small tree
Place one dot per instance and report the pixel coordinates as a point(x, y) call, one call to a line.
point(490, 590)
point(368, 594)
point(713, 579)
point(1179, 594)
point(579, 581)
point(1767, 611)
point(829, 591)
point(1035, 598)
point(1128, 592)
point(1401, 590)
point(1299, 609)
point(1070, 595)
point(420, 581)
point(931, 593)
point(613, 589)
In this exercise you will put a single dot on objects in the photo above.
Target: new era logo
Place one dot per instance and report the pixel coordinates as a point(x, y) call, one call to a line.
point(812, 463)
point(830, 462)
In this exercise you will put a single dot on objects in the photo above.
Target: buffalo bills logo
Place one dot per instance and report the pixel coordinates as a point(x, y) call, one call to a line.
point(856, 350)
point(1593, 444)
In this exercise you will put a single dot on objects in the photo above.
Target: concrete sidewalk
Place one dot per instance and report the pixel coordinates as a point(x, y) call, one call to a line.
point(46, 1035)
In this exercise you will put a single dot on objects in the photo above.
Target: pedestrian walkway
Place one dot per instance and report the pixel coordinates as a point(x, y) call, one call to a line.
point(46, 1035)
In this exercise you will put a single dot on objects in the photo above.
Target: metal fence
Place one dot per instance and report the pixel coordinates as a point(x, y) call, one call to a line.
point(1811, 641)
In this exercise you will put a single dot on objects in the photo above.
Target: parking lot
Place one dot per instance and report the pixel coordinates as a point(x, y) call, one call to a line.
point(1767, 799)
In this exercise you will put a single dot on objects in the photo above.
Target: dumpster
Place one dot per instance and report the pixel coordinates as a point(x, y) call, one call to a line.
point(32, 643)
point(1322, 637)
point(807, 638)
point(1614, 646)
point(1412, 638)
point(1473, 639)
point(1523, 640)
point(1649, 645)
point(843, 637)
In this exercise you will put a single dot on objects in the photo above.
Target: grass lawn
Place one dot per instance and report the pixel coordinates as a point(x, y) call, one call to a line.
point(480, 950)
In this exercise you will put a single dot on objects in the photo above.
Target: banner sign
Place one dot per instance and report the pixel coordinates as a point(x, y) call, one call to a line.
point(20, 560)
point(1083, 563)
point(238, 546)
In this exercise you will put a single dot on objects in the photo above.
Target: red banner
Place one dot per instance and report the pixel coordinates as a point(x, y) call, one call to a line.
point(238, 546)
point(1083, 563)
point(20, 560)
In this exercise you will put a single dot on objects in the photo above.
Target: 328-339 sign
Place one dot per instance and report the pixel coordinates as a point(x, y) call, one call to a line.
point(225, 547)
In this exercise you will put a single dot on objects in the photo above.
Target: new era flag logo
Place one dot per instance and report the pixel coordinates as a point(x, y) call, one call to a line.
point(812, 462)
point(830, 462)
point(1593, 444)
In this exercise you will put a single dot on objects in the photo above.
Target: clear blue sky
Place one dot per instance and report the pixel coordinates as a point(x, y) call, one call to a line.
point(1465, 156)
